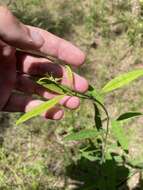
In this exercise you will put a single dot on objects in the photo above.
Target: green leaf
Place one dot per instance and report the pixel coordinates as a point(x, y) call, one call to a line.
point(97, 117)
point(113, 146)
point(69, 75)
point(122, 80)
point(90, 155)
point(129, 115)
point(119, 134)
point(38, 110)
point(108, 155)
point(81, 135)
point(118, 159)
point(93, 92)
point(51, 85)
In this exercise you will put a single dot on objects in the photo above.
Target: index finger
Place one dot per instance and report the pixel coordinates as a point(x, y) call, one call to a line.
point(60, 48)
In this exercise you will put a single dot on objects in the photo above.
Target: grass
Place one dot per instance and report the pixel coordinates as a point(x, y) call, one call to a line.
point(33, 156)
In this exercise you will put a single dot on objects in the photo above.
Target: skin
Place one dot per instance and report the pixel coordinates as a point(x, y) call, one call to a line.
point(16, 67)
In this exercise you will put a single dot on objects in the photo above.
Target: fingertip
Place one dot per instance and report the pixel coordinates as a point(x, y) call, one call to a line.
point(70, 102)
point(81, 84)
point(54, 114)
point(73, 103)
point(70, 53)
point(58, 115)
point(82, 58)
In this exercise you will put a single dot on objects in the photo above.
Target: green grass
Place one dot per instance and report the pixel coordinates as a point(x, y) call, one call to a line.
point(33, 156)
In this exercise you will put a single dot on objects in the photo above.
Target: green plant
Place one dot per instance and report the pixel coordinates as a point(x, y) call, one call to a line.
point(107, 145)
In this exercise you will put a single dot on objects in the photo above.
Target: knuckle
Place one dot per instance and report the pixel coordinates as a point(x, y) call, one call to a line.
point(7, 53)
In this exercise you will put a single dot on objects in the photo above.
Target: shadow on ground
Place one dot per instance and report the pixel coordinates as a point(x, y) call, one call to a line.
point(87, 175)
point(97, 175)
point(91, 175)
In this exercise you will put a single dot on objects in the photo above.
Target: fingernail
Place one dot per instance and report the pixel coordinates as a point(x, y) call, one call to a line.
point(37, 38)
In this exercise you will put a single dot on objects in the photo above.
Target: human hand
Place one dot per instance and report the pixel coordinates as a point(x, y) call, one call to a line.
point(16, 67)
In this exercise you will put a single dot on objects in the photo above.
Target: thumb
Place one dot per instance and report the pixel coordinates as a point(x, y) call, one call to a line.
point(17, 34)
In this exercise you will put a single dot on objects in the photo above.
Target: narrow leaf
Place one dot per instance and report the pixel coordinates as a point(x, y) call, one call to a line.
point(81, 135)
point(120, 135)
point(69, 75)
point(122, 80)
point(118, 159)
point(90, 156)
point(93, 92)
point(38, 110)
point(51, 85)
point(97, 117)
point(108, 155)
point(128, 115)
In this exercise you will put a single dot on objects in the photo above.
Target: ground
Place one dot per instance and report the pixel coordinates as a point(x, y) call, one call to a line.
point(33, 155)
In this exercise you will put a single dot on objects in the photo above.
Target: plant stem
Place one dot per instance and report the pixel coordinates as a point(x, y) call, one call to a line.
point(84, 96)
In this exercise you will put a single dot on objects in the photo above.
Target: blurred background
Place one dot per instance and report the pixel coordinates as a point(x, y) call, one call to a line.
point(33, 156)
